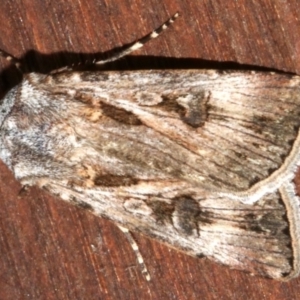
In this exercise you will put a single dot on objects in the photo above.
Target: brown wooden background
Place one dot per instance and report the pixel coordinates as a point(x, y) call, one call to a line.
point(51, 250)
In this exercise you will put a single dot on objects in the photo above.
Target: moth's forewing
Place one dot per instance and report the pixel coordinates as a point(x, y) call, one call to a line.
point(260, 238)
point(221, 131)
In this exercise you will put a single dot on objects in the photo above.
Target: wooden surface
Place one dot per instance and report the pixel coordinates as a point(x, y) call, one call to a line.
point(51, 250)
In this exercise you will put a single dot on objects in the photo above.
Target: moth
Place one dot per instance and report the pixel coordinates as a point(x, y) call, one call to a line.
point(202, 160)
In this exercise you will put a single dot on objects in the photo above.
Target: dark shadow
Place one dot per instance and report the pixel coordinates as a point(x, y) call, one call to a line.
point(34, 61)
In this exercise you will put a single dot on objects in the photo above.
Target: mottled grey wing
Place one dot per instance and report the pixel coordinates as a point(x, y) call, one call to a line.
point(222, 131)
point(254, 238)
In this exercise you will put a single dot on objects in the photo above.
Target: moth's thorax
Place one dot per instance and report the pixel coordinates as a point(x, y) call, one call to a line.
point(30, 129)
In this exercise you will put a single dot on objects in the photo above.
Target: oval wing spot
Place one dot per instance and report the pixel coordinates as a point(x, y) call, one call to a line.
point(191, 107)
point(186, 215)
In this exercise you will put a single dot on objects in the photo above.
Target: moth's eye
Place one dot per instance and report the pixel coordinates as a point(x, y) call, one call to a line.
point(3, 111)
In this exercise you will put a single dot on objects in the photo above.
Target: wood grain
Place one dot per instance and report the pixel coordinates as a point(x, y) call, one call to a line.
point(51, 250)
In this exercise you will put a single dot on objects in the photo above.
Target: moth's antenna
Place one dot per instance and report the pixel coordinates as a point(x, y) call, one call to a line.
point(141, 42)
point(11, 59)
point(136, 45)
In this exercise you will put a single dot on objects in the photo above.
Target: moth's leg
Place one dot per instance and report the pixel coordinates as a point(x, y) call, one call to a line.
point(134, 46)
point(23, 191)
point(11, 59)
point(137, 252)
